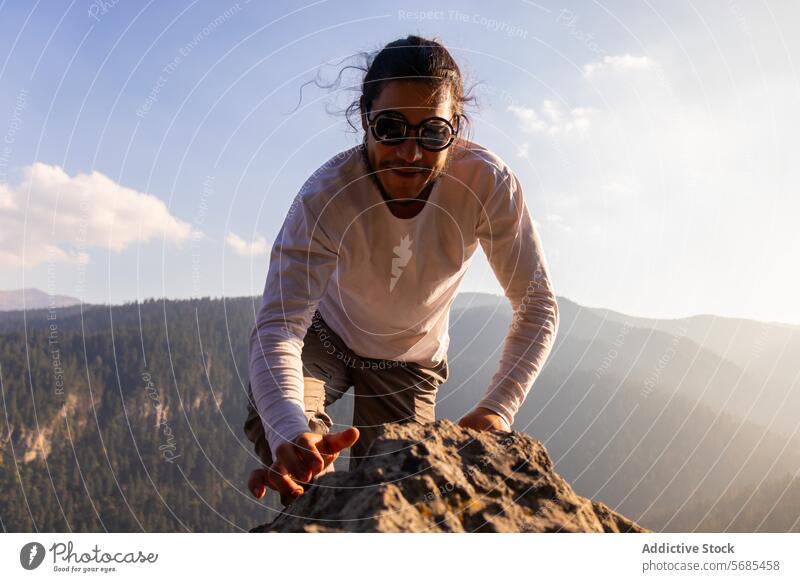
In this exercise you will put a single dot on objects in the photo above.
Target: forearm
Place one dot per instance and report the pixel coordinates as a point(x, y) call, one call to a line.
point(526, 348)
point(277, 384)
point(512, 245)
point(301, 263)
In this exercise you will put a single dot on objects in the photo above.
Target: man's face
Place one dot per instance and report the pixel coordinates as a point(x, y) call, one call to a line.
point(405, 169)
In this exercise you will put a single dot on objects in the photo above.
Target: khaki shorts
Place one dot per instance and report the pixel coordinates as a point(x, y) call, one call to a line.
point(384, 391)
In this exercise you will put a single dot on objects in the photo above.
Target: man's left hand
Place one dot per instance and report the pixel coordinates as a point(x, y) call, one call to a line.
point(484, 419)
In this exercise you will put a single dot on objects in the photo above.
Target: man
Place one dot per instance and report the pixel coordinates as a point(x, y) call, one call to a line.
point(367, 264)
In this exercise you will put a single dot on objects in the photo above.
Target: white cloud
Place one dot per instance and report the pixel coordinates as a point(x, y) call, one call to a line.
point(558, 220)
point(552, 119)
point(51, 216)
point(620, 189)
point(247, 249)
point(531, 122)
point(624, 62)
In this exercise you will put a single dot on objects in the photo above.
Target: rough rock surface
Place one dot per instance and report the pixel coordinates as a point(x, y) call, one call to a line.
point(443, 478)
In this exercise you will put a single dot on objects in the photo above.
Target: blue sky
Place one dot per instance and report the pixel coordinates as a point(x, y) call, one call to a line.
point(152, 151)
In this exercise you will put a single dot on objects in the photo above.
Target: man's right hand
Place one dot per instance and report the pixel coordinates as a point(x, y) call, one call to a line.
point(299, 460)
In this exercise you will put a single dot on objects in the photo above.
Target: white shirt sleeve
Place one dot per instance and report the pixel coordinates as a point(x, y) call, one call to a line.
point(302, 261)
point(512, 245)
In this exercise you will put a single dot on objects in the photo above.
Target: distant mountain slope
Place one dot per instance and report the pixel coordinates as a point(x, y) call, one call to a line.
point(766, 349)
point(31, 298)
point(745, 367)
point(773, 507)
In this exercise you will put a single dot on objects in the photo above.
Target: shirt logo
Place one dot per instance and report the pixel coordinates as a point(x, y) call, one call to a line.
point(402, 254)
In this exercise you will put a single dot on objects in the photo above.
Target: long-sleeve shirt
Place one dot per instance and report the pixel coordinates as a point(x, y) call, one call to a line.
point(385, 284)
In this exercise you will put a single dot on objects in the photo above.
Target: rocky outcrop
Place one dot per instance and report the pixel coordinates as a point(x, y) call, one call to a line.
point(36, 443)
point(443, 478)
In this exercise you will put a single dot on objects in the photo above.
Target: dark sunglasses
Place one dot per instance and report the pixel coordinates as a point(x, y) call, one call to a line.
point(434, 133)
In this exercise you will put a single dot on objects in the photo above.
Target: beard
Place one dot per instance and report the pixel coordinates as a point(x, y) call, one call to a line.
point(433, 173)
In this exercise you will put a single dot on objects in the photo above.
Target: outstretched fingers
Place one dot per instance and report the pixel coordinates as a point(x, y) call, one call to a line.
point(282, 482)
point(289, 456)
point(300, 461)
point(309, 455)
